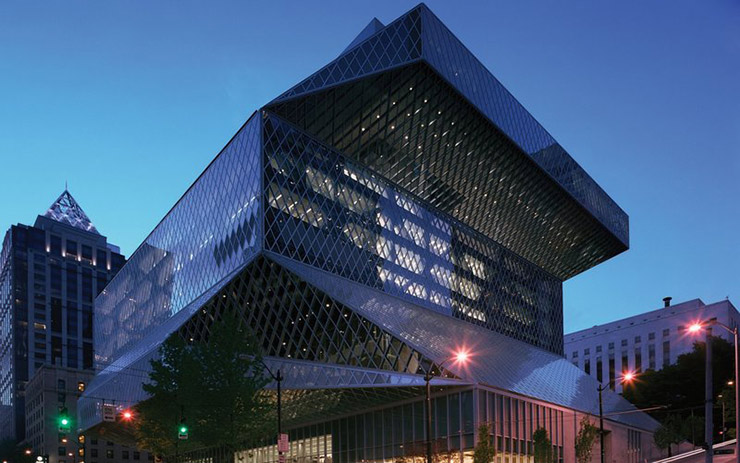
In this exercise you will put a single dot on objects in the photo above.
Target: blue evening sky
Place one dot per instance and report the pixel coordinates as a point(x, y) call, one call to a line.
point(129, 101)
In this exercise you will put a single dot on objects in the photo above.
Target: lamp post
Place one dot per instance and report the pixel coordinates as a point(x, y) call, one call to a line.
point(278, 379)
point(695, 328)
point(460, 357)
point(626, 378)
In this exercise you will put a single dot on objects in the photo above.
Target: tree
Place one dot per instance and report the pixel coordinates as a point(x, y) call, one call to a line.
point(484, 451)
point(585, 439)
point(542, 446)
point(680, 386)
point(692, 429)
point(669, 433)
point(213, 384)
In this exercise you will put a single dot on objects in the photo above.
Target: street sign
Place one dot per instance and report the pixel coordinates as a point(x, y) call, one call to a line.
point(283, 443)
point(109, 413)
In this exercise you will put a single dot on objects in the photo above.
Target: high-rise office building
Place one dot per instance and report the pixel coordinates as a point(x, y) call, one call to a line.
point(395, 207)
point(50, 274)
point(648, 341)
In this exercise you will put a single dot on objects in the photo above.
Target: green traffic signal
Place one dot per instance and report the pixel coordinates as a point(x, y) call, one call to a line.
point(183, 429)
point(64, 420)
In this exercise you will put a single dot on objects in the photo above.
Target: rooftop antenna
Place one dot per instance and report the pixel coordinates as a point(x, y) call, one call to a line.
point(65, 186)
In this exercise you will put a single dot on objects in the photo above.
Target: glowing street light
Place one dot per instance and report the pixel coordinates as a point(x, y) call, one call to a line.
point(127, 415)
point(460, 357)
point(695, 328)
point(627, 377)
point(708, 428)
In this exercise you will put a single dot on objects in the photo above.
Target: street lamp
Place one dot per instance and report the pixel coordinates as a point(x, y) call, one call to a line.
point(695, 328)
point(278, 379)
point(627, 377)
point(460, 357)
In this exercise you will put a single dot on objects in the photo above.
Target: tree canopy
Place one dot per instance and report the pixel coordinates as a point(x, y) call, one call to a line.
point(679, 389)
point(213, 385)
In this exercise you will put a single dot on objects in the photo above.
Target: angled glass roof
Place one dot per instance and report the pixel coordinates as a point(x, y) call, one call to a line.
point(66, 210)
point(496, 360)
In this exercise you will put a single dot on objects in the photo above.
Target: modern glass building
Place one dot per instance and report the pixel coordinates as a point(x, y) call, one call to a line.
point(50, 274)
point(396, 206)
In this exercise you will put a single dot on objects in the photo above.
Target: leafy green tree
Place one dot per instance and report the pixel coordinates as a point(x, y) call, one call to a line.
point(680, 386)
point(484, 451)
point(587, 434)
point(669, 433)
point(542, 446)
point(214, 385)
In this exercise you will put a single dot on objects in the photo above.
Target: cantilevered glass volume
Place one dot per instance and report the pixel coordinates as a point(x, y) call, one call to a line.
point(395, 206)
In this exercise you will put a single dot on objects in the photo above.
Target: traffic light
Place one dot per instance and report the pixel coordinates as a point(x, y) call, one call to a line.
point(182, 430)
point(65, 422)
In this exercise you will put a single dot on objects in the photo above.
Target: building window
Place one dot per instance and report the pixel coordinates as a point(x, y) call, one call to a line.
point(611, 346)
point(124, 454)
point(666, 332)
point(71, 247)
point(587, 366)
point(637, 339)
point(81, 386)
point(599, 370)
point(586, 351)
point(598, 349)
point(638, 360)
point(94, 452)
point(109, 453)
point(666, 353)
point(651, 356)
point(62, 452)
point(574, 354)
point(625, 362)
point(612, 370)
point(624, 343)
point(137, 455)
point(651, 336)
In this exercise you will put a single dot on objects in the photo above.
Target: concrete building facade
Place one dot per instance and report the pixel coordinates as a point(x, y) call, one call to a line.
point(50, 389)
point(648, 341)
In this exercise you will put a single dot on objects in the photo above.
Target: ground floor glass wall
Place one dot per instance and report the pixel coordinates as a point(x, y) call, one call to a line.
point(397, 433)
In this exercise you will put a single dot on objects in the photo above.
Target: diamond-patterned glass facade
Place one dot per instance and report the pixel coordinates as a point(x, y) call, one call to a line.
point(341, 217)
point(392, 207)
point(211, 231)
point(522, 136)
point(412, 128)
